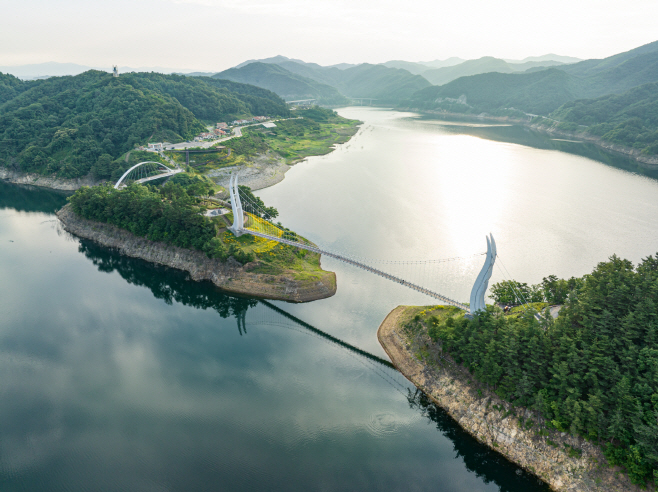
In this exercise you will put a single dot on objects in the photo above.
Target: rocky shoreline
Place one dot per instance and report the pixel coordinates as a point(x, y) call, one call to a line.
point(33, 179)
point(565, 463)
point(231, 276)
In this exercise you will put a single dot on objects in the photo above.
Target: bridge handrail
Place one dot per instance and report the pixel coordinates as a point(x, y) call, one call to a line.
point(360, 265)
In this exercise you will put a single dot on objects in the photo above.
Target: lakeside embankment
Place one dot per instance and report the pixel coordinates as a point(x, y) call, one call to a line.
point(230, 276)
point(52, 182)
point(548, 127)
point(549, 454)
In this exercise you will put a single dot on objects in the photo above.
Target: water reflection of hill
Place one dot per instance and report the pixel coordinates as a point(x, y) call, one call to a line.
point(165, 283)
point(478, 458)
point(173, 285)
point(523, 135)
point(31, 199)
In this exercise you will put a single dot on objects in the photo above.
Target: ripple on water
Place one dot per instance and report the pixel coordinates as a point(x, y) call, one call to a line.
point(382, 424)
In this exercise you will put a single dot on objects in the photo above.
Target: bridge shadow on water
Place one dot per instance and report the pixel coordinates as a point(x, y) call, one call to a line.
point(171, 285)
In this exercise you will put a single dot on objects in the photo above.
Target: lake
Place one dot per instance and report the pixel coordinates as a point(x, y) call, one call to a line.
point(120, 375)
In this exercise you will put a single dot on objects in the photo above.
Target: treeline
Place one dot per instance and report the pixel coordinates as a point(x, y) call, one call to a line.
point(64, 125)
point(168, 214)
point(592, 372)
point(552, 290)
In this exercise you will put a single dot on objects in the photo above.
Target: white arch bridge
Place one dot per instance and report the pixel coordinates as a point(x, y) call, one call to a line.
point(251, 219)
point(146, 171)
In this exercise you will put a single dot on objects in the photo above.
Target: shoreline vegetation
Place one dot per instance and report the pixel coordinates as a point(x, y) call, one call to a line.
point(564, 384)
point(230, 276)
point(260, 157)
point(164, 224)
point(147, 221)
point(550, 455)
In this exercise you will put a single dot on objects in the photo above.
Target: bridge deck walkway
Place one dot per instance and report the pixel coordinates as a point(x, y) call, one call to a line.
point(358, 264)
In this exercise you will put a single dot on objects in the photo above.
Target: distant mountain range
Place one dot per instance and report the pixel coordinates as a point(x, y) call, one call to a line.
point(543, 91)
point(288, 85)
point(441, 76)
point(386, 83)
point(614, 99)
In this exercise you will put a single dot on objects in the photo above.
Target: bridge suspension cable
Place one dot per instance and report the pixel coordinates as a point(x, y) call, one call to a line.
point(250, 218)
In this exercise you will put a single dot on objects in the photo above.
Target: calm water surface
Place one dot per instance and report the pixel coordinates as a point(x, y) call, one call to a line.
point(118, 375)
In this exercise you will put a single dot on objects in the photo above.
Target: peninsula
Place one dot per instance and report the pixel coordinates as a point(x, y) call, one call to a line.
point(551, 395)
point(170, 225)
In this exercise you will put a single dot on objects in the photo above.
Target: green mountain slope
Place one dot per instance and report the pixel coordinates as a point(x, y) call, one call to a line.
point(10, 87)
point(69, 126)
point(288, 85)
point(387, 85)
point(629, 119)
point(542, 92)
point(443, 75)
point(537, 92)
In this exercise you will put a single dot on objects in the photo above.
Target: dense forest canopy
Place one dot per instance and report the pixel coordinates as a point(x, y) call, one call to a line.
point(64, 125)
point(169, 213)
point(592, 372)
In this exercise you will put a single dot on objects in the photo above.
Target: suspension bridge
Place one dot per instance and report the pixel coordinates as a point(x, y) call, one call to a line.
point(251, 219)
point(256, 222)
point(146, 171)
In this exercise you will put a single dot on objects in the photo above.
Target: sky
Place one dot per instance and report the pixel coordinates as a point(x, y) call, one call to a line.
point(212, 35)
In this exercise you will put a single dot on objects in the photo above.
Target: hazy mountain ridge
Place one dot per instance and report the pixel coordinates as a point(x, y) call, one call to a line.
point(288, 85)
point(441, 76)
point(387, 85)
point(544, 91)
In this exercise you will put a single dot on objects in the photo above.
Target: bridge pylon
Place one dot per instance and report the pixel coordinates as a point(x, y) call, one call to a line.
point(236, 205)
point(482, 281)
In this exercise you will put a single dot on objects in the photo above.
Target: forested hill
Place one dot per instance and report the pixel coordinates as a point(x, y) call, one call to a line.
point(542, 92)
point(290, 86)
point(10, 87)
point(64, 125)
point(591, 372)
point(629, 119)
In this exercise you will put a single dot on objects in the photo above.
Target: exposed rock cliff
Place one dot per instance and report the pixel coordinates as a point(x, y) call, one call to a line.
point(230, 276)
point(564, 462)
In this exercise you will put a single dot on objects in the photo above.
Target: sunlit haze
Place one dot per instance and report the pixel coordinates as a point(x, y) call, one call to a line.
point(213, 35)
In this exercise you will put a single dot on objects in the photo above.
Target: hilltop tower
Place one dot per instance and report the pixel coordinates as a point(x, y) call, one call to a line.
point(115, 71)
